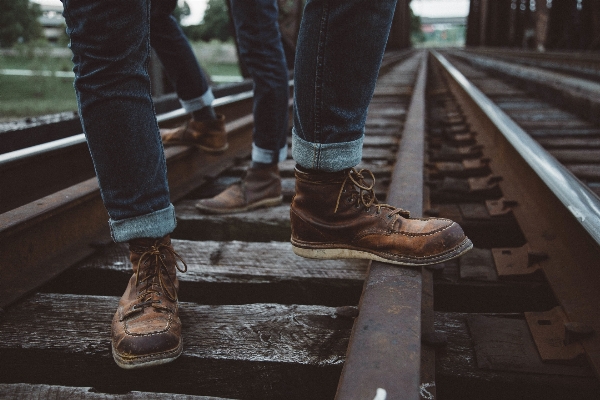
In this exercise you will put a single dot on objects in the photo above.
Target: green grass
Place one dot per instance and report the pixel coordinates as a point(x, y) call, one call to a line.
point(222, 69)
point(28, 96)
point(22, 96)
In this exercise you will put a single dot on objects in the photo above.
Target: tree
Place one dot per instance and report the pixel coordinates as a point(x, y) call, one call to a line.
point(181, 11)
point(415, 28)
point(19, 21)
point(215, 24)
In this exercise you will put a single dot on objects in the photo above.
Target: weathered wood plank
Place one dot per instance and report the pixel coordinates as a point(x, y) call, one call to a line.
point(229, 273)
point(459, 377)
point(260, 225)
point(585, 171)
point(455, 294)
point(260, 351)
point(19, 391)
point(578, 156)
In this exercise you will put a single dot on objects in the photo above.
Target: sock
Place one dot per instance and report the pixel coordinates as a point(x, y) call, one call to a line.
point(204, 114)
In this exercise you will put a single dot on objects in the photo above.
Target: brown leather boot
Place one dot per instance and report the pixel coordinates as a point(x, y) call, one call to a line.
point(210, 135)
point(336, 215)
point(146, 330)
point(261, 187)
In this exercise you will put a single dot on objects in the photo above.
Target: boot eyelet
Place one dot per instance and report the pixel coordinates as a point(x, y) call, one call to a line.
point(349, 200)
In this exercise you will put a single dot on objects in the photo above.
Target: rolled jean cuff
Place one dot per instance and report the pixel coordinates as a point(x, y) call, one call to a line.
point(199, 102)
point(268, 156)
point(328, 157)
point(154, 225)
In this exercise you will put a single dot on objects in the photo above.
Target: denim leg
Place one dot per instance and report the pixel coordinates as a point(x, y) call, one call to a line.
point(176, 55)
point(261, 51)
point(339, 52)
point(111, 47)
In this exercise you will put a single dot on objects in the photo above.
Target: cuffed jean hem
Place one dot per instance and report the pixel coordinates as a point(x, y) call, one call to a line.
point(328, 157)
point(268, 156)
point(154, 225)
point(199, 102)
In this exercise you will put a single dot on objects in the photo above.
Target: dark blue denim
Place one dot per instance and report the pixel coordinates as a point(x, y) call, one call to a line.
point(110, 40)
point(174, 51)
point(261, 51)
point(339, 52)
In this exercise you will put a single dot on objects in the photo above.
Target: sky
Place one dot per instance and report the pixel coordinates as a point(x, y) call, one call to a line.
point(424, 8)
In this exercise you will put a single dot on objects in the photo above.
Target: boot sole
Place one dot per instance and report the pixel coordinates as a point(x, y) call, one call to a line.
point(147, 361)
point(334, 253)
point(271, 202)
point(212, 149)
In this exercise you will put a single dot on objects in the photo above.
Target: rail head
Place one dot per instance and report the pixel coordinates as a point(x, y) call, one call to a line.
point(557, 214)
point(583, 204)
point(56, 145)
point(384, 353)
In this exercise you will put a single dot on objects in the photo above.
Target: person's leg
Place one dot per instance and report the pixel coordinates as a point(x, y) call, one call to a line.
point(110, 44)
point(334, 213)
point(177, 57)
point(261, 51)
point(206, 129)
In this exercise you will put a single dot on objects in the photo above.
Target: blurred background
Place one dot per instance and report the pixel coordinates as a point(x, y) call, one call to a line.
point(36, 70)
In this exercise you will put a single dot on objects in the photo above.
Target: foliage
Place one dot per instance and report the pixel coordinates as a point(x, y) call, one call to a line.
point(415, 28)
point(181, 11)
point(18, 21)
point(215, 25)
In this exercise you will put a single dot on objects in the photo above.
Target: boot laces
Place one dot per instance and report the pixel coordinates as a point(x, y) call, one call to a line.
point(156, 277)
point(366, 193)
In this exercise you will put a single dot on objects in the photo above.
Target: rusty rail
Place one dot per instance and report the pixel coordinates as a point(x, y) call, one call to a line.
point(384, 352)
point(41, 239)
point(565, 221)
point(34, 172)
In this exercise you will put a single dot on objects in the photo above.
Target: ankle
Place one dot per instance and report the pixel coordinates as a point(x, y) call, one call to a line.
point(260, 165)
point(204, 114)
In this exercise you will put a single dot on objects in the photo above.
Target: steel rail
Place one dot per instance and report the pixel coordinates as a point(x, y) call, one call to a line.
point(558, 214)
point(384, 352)
point(535, 74)
point(38, 171)
point(43, 238)
point(580, 64)
point(54, 145)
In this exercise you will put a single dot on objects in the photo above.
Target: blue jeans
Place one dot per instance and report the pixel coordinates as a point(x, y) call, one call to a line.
point(110, 41)
point(177, 57)
point(339, 52)
point(261, 51)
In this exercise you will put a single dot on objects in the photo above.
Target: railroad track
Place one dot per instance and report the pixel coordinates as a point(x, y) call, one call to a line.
point(561, 120)
point(261, 323)
point(581, 65)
